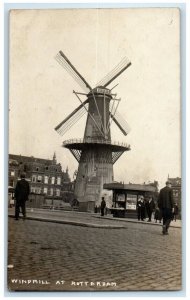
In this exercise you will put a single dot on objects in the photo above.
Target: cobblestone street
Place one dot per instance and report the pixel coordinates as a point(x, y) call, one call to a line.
point(65, 257)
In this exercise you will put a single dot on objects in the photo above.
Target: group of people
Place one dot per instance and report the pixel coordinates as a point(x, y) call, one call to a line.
point(165, 209)
point(145, 207)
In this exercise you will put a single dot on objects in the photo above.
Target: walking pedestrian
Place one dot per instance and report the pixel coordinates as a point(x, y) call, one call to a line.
point(22, 191)
point(102, 206)
point(141, 208)
point(150, 207)
point(165, 204)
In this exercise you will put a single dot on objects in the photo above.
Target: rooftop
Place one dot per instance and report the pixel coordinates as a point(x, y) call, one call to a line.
point(130, 186)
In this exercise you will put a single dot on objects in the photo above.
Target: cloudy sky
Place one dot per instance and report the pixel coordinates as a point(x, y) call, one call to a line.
point(95, 41)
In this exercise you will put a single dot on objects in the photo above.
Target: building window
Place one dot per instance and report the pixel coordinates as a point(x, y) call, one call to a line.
point(53, 180)
point(46, 179)
point(45, 190)
point(39, 178)
point(46, 168)
point(121, 197)
point(11, 182)
point(57, 192)
point(37, 169)
point(12, 173)
point(34, 178)
point(38, 190)
point(59, 180)
point(51, 191)
point(175, 193)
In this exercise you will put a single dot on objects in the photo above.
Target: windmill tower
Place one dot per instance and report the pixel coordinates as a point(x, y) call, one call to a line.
point(96, 153)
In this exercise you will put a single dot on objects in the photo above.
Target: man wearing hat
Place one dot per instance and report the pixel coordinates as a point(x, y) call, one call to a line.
point(166, 205)
point(22, 191)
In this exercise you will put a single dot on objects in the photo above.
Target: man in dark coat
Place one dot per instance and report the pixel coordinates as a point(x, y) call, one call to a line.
point(141, 208)
point(150, 207)
point(166, 205)
point(103, 206)
point(22, 191)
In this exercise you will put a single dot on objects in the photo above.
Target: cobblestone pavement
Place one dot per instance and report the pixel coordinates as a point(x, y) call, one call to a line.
point(60, 257)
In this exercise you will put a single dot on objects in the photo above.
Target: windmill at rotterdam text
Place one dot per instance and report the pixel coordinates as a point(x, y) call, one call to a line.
point(95, 152)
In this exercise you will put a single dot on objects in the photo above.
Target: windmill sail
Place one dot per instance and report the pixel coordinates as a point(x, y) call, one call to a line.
point(69, 121)
point(121, 123)
point(120, 68)
point(64, 61)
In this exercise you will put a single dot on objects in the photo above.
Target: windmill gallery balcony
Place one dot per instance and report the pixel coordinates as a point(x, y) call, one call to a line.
point(113, 150)
point(80, 144)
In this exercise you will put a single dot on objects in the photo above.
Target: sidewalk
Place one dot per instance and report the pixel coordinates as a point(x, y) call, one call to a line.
point(84, 219)
point(176, 224)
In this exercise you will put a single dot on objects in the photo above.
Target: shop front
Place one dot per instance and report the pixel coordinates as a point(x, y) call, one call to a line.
point(125, 198)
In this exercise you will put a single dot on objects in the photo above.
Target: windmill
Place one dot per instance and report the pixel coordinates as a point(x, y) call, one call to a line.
point(95, 152)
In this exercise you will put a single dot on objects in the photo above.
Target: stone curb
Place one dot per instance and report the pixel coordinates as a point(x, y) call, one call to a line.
point(135, 221)
point(72, 223)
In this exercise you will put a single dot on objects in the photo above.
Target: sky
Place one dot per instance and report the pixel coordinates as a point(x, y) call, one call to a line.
point(95, 41)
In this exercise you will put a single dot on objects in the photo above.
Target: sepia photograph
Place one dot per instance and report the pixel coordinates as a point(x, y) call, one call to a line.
point(94, 151)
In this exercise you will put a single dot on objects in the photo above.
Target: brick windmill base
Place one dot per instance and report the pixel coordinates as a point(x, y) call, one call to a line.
point(96, 160)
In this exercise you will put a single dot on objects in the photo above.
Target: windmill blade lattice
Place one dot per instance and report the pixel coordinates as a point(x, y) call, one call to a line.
point(121, 123)
point(67, 123)
point(121, 67)
point(66, 64)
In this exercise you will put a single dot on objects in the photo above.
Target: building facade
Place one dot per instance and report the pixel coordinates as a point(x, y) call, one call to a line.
point(46, 178)
point(176, 187)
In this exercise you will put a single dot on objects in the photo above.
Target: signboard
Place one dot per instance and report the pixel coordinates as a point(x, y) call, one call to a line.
point(121, 197)
point(131, 202)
